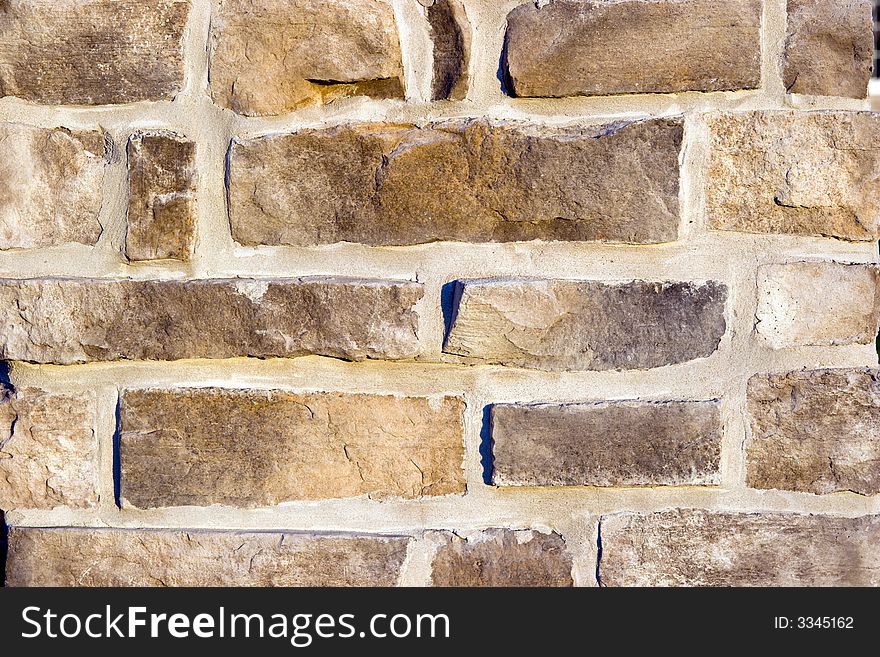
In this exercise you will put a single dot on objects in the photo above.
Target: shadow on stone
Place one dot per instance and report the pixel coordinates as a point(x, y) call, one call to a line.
point(117, 457)
point(486, 459)
point(5, 381)
point(450, 294)
point(4, 533)
point(503, 71)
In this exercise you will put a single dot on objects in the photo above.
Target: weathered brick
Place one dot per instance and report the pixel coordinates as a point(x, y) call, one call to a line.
point(91, 52)
point(275, 56)
point(628, 443)
point(569, 48)
point(116, 557)
point(161, 175)
point(451, 37)
point(798, 173)
point(261, 447)
point(48, 449)
point(502, 557)
point(51, 182)
point(829, 47)
point(467, 180)
point(64, 321)
point(704, 548)
point(795, 307)
point(586, 325)
point(816, 431)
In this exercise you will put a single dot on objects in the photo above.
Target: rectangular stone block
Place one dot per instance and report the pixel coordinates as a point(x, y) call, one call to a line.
point(795, 173)
point(571, 48)
point(461, 180)
point(628, 443)
point(815, 431)
point(92, 52)
point(501, 557)
point(67, 556)
point(48, 449)
point(276, 56)
point(57, 320)
point(450, 31)
point(818, 303)
point(261, 447)
point(161, 204)
point(586, 325)
point(829, 47)
point(51, 185)
point(690, 547)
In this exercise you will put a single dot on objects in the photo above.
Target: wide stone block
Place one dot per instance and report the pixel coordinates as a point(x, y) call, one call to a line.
point(461, 180)
point(261, 447)
point(629, 443)
point(58, 320)
point(586, 325)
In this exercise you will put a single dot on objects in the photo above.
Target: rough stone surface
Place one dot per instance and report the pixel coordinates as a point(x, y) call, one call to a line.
point(628, 443)
point(48, 450)
point(467, 180)
point(568, 48)
point(106, 557)
point(51, 183)
point(502, 557)
point(829, 47)
point(161, 207)
point(798, 173)
point(255, 447)
point(818, 303)
point(703, 548)
point(816, 431)
point(91, 52)
point(451, 36)
point(586, 325)
point(275, 56)
point(78, 320)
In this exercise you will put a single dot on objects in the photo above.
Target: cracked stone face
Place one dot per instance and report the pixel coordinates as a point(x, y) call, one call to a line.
point(796, 173)
point(569, 48)
point(48, 449)
point(815, 431)
point(468, 180)
point(829, 47)
point(704, 548)
point(559, 325)
point(105, 557)
point(795, 308)
point(501, 557)
point(275, 56)
point(161, 208)
point(256, 448)
point(93, 52)
point(81, 320)
point(606, 444)
point(51, 186)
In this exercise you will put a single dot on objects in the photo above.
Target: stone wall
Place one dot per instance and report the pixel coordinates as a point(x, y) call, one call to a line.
point(439, 292)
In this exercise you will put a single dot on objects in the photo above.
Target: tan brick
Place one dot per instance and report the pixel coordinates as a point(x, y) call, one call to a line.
point(48, 449)
point(92, 52)
point(568, 48)
point(586, 325)
point(815, 431)
point(80, 320)
point(51, 183)
point(818, 303)
point(829, 47)
point(275, 56)
point(161, 206)
point(627, 443)
point(705, 548)
point(501, 557)
point(139, 557)
point(796, 173)
point(451, 37)
point(467, 180)
point(261, 447)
